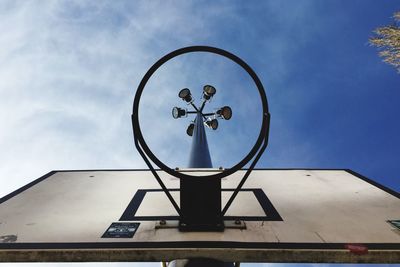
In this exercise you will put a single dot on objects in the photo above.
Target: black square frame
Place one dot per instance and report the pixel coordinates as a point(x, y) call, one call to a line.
point(271, 214)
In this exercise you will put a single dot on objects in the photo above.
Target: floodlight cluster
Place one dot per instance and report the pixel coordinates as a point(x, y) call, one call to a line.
point(210, 120)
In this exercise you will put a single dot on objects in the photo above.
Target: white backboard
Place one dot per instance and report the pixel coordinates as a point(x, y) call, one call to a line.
point(291, 215)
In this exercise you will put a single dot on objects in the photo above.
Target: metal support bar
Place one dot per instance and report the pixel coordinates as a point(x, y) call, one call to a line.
point(164, 188)
point(202, 105)
point(260, 152)
point(198, 110)
point(194, 106)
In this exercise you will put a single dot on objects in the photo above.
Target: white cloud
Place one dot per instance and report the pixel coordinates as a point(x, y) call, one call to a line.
point(70, 71)
point(68, 76)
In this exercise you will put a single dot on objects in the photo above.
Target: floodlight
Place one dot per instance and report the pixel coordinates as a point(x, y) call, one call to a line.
point(178, 112)
point(225, 112)
point(212, 124)
point(190, 129)
point(208, 92)
point(185, 95)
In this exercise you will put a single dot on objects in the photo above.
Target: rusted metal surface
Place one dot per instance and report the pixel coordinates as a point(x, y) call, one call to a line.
point(242, 255)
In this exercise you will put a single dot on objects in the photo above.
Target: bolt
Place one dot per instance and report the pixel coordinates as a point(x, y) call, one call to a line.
point(163, 222)
point(237, 221)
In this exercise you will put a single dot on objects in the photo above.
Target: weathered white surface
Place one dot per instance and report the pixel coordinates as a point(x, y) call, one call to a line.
point(316, 206)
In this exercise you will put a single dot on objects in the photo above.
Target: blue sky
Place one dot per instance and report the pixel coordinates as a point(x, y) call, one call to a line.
point(70, 70)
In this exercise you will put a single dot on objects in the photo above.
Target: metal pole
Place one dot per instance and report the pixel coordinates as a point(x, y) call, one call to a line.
point(199, 154)
point(200, 158)
point(200, 198)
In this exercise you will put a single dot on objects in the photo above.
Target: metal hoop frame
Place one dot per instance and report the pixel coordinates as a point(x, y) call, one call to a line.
point(262, 140)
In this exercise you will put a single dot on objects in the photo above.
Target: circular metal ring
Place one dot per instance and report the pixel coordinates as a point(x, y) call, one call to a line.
point(190, 49)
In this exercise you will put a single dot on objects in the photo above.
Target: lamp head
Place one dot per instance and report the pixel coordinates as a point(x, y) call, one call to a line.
point(190, 129)
point(185, 95)
point(212, 124)
point(178, 112)
point(225, 113)
point(208, 92)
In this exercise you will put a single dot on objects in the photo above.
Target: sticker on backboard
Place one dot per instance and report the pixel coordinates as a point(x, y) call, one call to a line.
point(395, 223)
point(121, 230)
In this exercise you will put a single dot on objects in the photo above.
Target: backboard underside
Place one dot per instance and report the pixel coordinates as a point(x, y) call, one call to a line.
point(291, 216)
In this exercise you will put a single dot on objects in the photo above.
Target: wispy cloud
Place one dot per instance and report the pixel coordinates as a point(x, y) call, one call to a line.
point(70, 71)
point(68, 76)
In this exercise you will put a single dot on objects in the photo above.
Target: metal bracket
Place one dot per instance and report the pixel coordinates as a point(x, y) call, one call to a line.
point(236, 224)
point(173, 224)
point(164, 224)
